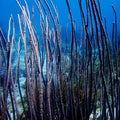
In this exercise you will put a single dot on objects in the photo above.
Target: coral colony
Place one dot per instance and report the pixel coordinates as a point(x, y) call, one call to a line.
point(44, 78)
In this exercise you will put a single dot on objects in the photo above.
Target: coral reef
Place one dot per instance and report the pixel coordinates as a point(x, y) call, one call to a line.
point(44, 78)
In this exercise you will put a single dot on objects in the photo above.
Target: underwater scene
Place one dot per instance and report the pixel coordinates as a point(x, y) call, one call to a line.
point(59, 60)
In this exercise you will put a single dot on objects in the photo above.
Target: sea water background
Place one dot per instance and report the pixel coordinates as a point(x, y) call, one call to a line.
point(8, 7)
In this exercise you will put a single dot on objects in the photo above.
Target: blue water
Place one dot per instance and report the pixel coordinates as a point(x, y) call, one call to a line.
point(8, 7)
